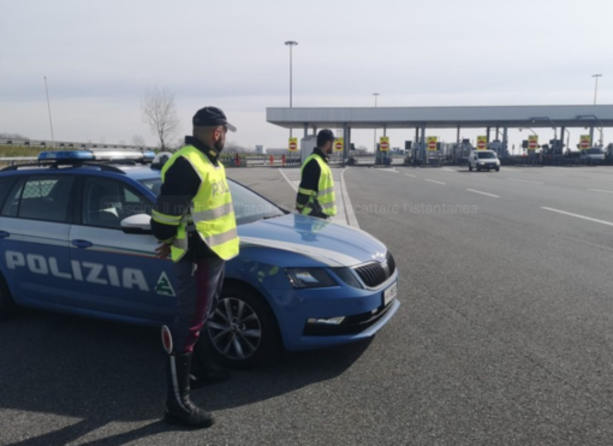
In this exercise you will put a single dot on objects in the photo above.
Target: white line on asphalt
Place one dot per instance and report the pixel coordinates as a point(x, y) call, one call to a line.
point(525, 181)
point(483, 193)
point(434, 181)
point(351, 218)
point(409, 175)
point(448, 169)
point(600, 190)
point(583, 217)
point(288, 180)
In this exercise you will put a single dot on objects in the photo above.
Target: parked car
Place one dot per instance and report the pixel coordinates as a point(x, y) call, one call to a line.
point(75, 237)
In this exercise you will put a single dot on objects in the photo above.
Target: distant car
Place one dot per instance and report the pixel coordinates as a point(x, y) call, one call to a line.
point(483, 159)
point(75, 237)
point(594, 155)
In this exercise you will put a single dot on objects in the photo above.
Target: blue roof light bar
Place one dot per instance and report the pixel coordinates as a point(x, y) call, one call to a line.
point(66, 155)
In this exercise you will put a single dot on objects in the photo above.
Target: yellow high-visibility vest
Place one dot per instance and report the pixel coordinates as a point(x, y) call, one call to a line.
point(211, 213)
point(325, 195)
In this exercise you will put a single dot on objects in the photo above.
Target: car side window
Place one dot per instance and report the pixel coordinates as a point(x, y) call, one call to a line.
point(44, 198)
point(106, 202)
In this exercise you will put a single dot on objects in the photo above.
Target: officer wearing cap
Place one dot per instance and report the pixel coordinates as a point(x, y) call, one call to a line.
point(316, 192)
point(194, 221)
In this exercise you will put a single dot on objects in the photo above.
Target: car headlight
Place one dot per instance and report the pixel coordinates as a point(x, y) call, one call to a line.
point(309, 278)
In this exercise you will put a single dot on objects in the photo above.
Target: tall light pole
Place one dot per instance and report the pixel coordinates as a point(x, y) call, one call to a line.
point(376, 95)
point(596, 87)
point(49, 108)
point(291, 44)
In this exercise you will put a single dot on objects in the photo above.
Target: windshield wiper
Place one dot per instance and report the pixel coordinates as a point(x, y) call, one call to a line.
point(268, 217)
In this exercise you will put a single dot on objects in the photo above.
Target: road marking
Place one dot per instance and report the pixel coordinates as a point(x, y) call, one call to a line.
point(483, 193)
point(351, 218)
point(600, 190)
point(583, 217)
point(525, 181)
point(434, 181)
point(288, 180)
point(410, 175)
point(448, 169)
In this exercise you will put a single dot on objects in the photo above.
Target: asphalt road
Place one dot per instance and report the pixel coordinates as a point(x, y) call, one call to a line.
point(504, 336)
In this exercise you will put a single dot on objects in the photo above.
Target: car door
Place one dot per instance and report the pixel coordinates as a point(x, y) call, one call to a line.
point(34, 247)
point(119, 274)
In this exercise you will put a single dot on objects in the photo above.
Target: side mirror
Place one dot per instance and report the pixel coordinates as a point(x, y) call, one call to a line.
point(137, 224)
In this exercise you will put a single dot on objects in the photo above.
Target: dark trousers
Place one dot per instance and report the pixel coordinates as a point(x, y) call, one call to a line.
point(199, 288)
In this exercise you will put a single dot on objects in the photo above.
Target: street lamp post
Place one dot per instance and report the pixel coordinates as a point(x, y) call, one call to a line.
point(376, 95)
point(49, 108)
point(291, 44)
point(596, 76)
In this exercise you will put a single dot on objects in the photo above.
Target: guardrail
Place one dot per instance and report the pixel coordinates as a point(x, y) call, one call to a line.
point(70, 144)
point(12, 160)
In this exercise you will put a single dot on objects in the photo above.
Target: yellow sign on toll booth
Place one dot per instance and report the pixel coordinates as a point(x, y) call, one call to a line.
point(585, 142)
point(432, 143)
point(293, 144)
point(533, 142)
point(481, 142)
point(338, 145)
point(384, 144)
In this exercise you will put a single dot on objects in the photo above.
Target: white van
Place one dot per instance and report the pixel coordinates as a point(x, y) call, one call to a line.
point(483, 159)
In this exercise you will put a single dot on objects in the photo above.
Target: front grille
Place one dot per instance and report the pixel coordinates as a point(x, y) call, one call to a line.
point(375, 273)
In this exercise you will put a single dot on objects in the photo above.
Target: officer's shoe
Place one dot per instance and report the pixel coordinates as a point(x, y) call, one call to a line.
point(179, 408)
point(205, 372)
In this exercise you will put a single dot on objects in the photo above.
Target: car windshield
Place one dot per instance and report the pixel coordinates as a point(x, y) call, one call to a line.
point(248, 206)
point(595, 151)
point(486, 155)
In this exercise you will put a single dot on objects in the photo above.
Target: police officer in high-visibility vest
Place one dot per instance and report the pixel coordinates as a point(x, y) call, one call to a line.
point(194, 219)
point(316, 192)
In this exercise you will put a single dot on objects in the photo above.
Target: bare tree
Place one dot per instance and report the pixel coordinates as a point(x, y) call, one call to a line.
point(158, 111)
point(138, 141)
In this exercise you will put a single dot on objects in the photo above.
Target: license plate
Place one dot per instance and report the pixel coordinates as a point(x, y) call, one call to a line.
point(390, 294)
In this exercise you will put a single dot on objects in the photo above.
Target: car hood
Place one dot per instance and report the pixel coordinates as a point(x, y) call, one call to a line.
point(323, 241)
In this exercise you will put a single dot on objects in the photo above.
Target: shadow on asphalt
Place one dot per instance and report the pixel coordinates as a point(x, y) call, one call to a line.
point(102, 372)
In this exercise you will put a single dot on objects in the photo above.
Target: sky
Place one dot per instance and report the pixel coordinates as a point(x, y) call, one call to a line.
point(99, 57)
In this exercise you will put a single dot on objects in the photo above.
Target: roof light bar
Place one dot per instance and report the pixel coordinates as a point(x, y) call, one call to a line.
point(76, 155)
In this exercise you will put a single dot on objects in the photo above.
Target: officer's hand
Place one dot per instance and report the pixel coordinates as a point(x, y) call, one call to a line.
point(162, 251)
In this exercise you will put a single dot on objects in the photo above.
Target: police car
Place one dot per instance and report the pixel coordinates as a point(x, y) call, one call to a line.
point(75, 237)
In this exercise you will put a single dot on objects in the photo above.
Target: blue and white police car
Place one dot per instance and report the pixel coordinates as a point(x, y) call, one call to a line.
point(75, 237)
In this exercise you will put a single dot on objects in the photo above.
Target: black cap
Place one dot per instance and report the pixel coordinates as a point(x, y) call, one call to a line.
point(324, 136)
point(210, 117)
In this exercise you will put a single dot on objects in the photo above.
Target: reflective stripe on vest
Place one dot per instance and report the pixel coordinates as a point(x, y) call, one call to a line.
point(325, 196)
point(211, 212)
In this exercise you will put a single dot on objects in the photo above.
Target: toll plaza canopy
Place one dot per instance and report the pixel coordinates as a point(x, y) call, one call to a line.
point(444, 117)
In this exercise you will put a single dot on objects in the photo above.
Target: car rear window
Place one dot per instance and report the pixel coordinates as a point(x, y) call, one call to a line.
point(40, 198)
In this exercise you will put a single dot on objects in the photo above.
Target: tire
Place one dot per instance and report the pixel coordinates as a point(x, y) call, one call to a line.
point(497, 169)
point(470, 167)
point(478, 169)
point(226, 342)
point(7, 304)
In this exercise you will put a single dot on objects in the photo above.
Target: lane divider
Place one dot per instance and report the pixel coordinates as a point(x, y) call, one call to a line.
point(582, 217)
point(483, 193)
